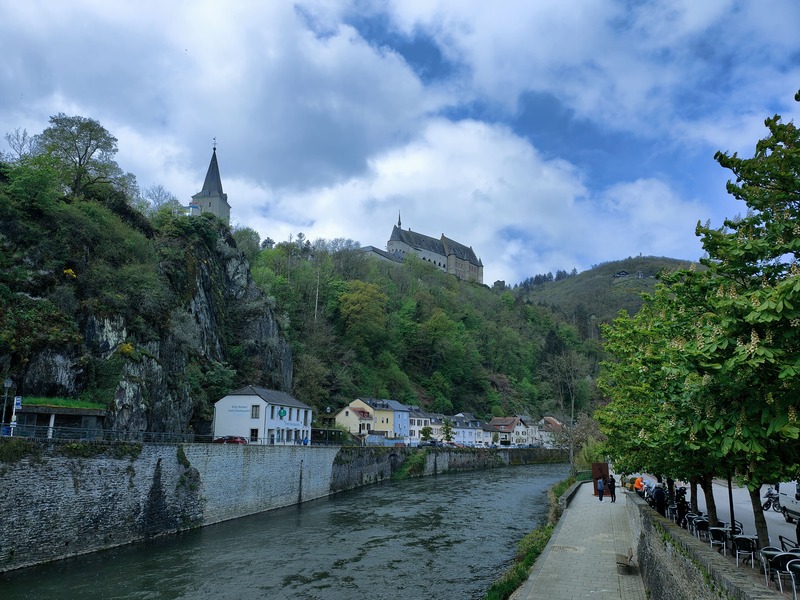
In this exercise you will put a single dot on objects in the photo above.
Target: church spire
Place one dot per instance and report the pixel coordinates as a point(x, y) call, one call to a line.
point(399, 224)
point(212, 186)
point(211, 198)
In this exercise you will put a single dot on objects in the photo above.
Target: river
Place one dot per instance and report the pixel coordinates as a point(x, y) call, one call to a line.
point(434, 538)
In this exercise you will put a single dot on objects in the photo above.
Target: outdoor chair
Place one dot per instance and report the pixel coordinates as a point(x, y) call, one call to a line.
point(690, 518)
point(793, 566)
point(787, 543)
point(701, 528)
point(776, 566)
point(718, 539)
point(745, 547)
point(672, 512)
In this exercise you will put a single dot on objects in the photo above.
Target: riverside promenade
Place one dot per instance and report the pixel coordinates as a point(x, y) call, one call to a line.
point(580, 561)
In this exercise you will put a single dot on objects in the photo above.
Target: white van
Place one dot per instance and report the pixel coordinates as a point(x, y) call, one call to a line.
point(789, 492)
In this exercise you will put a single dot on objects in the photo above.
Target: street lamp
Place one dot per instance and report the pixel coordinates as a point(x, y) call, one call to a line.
point(6, 384)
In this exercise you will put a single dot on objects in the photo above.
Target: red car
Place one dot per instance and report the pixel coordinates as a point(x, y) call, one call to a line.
point(230, 439)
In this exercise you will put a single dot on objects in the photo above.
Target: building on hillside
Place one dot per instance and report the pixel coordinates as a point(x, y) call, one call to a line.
point(417, 420)
point(468, 430)
point(359, 421)
point(263, 416)
point(531, 435)
point(511, 430)
point(391, 417)
point(553, 432)
point(211, 199)
point(446, 254)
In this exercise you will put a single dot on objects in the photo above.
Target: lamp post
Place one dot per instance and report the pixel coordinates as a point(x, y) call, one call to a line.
point(6, 384)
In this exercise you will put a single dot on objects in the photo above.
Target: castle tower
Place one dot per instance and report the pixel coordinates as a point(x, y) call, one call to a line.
point(211, 198)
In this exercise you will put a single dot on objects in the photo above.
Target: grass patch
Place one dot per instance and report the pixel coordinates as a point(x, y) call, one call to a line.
point(529, 549)
point(14, 449)
point(63, 403)
point(413, 465)
point(182, 459)
point(92, 449)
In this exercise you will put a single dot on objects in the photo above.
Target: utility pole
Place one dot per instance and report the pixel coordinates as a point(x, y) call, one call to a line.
point(7, 384)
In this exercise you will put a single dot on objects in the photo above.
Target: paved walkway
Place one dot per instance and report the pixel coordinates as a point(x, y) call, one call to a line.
point(581, 559)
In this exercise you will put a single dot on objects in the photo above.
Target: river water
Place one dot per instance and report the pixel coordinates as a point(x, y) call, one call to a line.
point(434, 538)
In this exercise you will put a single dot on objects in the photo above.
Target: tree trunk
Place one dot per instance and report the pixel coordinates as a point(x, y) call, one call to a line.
point(707, 483)
point(758, 515)
point(693, 495)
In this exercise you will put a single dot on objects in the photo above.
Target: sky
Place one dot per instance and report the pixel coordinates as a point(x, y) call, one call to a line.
point(545, 134)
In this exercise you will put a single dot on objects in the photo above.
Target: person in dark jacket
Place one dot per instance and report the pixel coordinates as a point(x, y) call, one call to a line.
point(660, 499)
point(612, 487)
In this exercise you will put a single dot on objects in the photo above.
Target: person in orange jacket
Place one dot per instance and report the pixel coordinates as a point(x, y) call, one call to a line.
point(638, 485)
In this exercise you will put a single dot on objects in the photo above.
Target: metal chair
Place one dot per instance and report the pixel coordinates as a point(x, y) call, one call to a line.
point(718, 538)
point(776, 565)
point(701, 528)
point(793, 566)
point(764, 555)
point(745, 547)
point(787, 543)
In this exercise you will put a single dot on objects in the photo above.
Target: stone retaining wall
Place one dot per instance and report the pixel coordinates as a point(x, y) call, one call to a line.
point(61, 500)
point(676, 565)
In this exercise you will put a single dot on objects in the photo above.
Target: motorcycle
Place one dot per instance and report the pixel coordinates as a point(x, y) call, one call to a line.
point(772, 500)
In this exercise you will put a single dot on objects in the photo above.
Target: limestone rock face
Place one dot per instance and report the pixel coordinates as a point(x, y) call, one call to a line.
point(216, 318)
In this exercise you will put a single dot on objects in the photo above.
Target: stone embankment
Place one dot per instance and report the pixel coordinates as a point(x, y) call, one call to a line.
point(61, 500)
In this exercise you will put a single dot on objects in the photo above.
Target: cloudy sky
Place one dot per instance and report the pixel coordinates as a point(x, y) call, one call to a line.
point(546, 134)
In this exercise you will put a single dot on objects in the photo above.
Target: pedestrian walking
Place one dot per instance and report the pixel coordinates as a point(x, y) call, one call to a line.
point(660, 499)
point(601, 487)
point(612, 487)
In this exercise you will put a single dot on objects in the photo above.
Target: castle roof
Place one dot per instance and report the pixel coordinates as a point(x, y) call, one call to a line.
point(212, 186)
point(443, 246)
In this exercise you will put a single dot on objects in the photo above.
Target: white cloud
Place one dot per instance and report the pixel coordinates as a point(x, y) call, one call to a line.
point(322, 131)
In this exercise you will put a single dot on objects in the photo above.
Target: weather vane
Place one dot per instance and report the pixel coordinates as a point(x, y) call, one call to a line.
point(215, 143)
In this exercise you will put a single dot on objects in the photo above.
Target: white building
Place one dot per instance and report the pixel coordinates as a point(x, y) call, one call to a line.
point(263, 416)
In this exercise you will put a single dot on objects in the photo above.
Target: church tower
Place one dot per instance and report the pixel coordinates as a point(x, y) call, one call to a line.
point(211, 198)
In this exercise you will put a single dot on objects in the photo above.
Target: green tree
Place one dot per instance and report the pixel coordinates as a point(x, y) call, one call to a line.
point(425, 433)
point(447, 430)
point(84, 149)
point(363, 311)
point(567, 373)
point(248, 241)
point(727, 341)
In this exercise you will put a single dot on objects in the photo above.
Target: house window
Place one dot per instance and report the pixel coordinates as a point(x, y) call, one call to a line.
point(254, 434)
point(271, 412)
point(254, 411)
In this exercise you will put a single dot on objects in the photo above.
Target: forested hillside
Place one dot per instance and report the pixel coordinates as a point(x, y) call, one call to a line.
point(588, 299)
point(151, 317)
point(154, 315)
point(363, 326)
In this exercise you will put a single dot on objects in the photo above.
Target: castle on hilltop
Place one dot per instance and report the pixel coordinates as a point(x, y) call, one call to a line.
point(211, 199)
point(446, 254)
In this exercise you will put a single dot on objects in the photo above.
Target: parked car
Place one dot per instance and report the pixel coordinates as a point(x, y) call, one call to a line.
point(230, 439)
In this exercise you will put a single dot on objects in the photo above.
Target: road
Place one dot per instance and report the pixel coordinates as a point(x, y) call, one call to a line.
point(743, 511)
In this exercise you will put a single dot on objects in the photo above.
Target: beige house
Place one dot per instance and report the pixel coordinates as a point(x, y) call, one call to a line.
point(357, 420)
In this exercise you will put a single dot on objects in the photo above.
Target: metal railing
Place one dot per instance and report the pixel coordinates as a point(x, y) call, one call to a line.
point(44, 432)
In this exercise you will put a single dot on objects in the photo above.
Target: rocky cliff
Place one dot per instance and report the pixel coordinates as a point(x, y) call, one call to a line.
point(153, 322)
